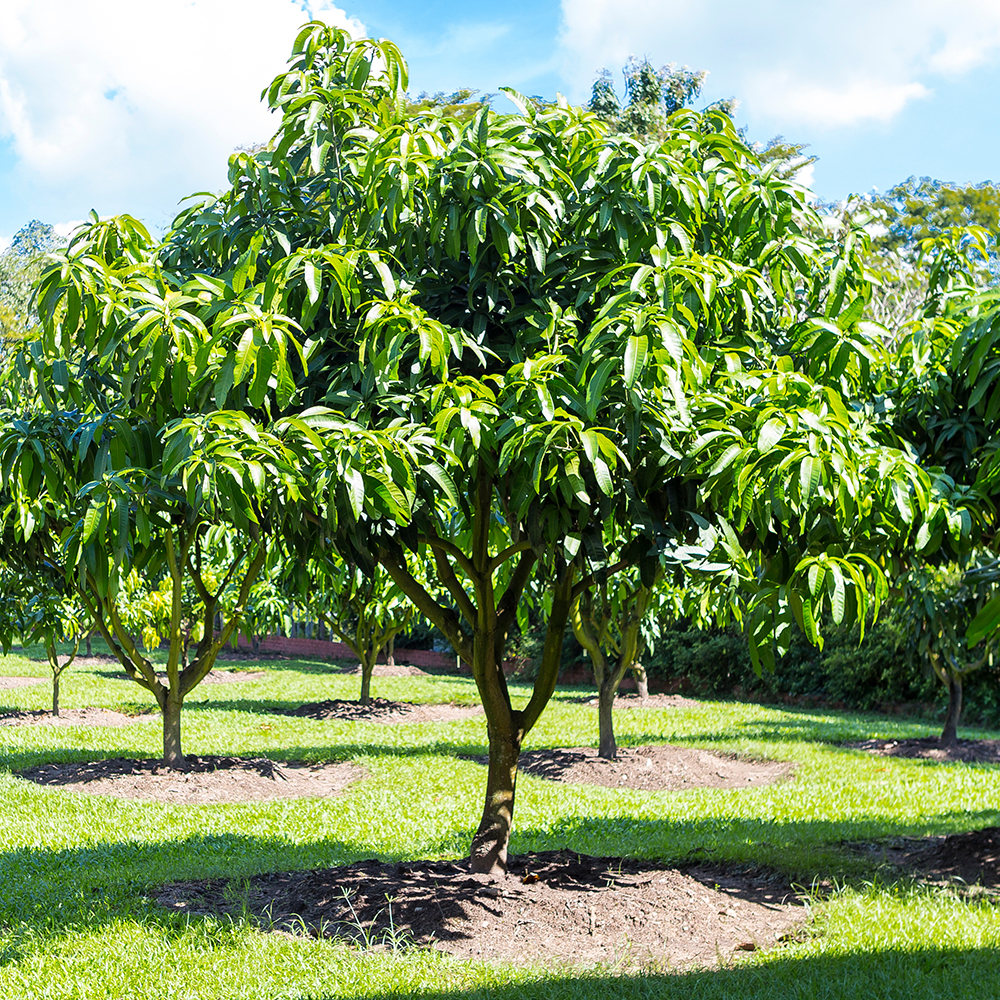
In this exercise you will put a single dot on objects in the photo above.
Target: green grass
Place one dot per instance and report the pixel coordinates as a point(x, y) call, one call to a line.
point(76, 871)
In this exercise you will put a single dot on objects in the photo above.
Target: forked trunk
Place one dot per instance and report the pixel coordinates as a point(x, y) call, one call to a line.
point(607, 746)
point(641, 679)
point(949, 736)
point(366, 681)
point(489, 845)
point(171, 709)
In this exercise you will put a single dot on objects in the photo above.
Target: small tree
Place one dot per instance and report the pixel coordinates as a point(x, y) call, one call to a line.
point(38, 608)
point(366, 611)
point(940, 605)
point(608, 624)
point(123, 455)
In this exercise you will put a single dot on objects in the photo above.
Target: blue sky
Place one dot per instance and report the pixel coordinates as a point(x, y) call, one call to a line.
point(128, 105)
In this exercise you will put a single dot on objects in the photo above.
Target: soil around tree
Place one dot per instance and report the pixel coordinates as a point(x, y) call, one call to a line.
point(76, 717)
point(632, 700)
point(551, 908)
point(971, 859)
point(9, 683)
point(203, 780)
point(384, 711)
point(929, 748)
point(651, 768)
point(212, 677)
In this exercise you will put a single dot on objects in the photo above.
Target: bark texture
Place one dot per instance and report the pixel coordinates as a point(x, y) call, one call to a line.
point(172, 755)
point(949, 735)
point(641, 679)
point(489, 845)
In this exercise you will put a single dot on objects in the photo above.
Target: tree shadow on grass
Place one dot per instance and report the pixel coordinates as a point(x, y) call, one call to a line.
point(919, 973)
point(803, 730)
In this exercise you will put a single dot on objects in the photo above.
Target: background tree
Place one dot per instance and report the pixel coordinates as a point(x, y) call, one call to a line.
point(651, 96)
point(920, 208)
point(38, 607)
point(940, 604)
point(365, 610)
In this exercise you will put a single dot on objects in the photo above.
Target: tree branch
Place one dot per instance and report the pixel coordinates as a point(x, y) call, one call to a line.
point(455, 588)
point(512, 550)
point(445, 619)
point(442, 544)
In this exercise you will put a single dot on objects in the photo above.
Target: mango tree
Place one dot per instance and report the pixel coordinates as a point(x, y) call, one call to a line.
point(38, 608)
point(940, 604)
point(564, 325)
point(365, 610)
point(150, 413)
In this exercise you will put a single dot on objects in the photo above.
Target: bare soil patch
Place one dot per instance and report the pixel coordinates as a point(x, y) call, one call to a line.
point(396, 670)
point(552, 908)
point(9, 683)
point(972, 858)
point(384, 711)
point(76, 717)
point(929, 748)
point(233, 676)
point(651, 768)
point(632, 700)
point(212, 677)
point(202, 780)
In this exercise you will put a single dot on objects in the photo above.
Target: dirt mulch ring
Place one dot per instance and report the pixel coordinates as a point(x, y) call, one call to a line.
point(651, 768)
point(212, 677)
point(202, 780)
point(76, 717)
point(972, 858)
point(233, 676)
point(632, 700)
point(929, 748)
point(9, 683)
point(554, 907)
point(384, 711)
point(396, 670)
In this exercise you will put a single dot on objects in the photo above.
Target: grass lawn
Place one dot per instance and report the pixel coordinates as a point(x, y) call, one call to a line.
point(76, 871)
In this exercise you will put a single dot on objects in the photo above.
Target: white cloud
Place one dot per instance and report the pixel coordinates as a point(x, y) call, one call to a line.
point(815, 64)
point(5, 242)
point(64, 230)
point(852, 101)
point(130, 104)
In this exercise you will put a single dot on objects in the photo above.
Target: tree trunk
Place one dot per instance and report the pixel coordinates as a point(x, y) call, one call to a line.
point(607, 747)
point(366, 682)
point(489, 845)
point(171, 709)
point(89, 634)
point(55, 696)
point(641, 679)
point(949, 737)
point(390, 652)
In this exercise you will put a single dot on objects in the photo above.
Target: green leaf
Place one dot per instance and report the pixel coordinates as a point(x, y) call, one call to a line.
point(986, 624)
point(770, 434)
point(635, 358)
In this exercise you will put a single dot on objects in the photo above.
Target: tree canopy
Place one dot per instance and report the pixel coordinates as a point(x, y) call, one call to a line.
point(520, 346)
